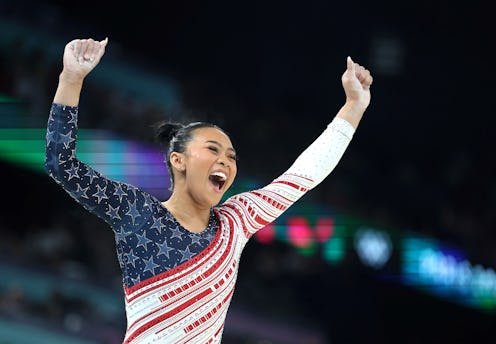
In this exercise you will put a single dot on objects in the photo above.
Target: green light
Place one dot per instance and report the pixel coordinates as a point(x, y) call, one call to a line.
point(25, 147)
point(333, 250)
point(307, 251)
point(7, 99)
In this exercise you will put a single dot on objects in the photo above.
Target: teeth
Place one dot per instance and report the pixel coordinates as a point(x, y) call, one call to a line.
point(220, 175)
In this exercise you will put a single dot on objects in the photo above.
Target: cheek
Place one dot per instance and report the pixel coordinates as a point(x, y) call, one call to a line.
point(199, 160)
point(234, 171)
point(195, 155)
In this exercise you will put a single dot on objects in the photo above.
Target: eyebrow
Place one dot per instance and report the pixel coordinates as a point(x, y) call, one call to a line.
point(219, 144)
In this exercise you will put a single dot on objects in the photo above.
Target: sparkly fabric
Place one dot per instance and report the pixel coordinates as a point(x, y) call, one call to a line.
point(149, 240)
point(177, 284)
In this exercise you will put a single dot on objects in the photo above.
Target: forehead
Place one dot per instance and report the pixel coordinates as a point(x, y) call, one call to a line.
point(203, 135)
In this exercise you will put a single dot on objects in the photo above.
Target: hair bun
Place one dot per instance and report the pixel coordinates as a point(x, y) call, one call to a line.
point(165, 131)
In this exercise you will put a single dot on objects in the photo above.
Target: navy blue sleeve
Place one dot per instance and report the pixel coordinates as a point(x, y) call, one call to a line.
point(124, 207)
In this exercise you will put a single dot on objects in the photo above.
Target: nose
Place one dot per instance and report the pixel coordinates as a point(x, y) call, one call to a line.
point(222, 161)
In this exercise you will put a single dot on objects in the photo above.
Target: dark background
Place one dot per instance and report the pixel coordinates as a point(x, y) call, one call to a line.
point(269, 73)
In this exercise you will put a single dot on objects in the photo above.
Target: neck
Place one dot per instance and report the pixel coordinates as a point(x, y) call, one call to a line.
point(188, 213)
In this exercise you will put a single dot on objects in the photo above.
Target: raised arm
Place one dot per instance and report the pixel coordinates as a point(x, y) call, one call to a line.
point(122, 206)
point(322, 156)
point(255, 209)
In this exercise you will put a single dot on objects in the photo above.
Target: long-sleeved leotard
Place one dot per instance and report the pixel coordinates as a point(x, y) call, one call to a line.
point(178, 284)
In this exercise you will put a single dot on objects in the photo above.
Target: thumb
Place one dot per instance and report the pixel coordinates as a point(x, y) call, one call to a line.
point(103, 45)
point(350, 65)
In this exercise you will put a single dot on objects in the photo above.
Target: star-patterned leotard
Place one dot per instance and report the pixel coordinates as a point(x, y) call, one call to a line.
point(178, 284)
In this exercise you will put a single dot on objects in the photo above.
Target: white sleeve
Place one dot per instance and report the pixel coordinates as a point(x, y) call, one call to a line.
point(255, 209)
point(320, 158)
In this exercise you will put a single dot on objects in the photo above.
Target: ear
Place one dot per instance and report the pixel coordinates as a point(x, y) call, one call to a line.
point(177, 161)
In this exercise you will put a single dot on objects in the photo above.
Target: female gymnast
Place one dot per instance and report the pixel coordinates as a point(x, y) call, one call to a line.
point(180, 257)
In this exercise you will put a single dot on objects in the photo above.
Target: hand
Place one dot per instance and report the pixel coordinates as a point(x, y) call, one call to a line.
point(356, 82)
point(81, 56)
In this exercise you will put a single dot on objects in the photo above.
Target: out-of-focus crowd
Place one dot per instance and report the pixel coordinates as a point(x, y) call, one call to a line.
point(69, 243)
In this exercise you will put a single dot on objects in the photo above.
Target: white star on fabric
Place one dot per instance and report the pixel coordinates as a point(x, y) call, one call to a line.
point(187, 254)
point(132, 258)
point(50, 136)
point(100, 194)
point(66, 139)
point(72, 172)
point(61, 162)
point(207, 235)
point(133, 211)
point(157, 223)
point(164, 248)
point(195, 240)
point(92, 174)
point(142, 240)
point(119, 192)
point(80, 192)
point(113, 212)
point(121, 236)
point(133, 192)
point(176, 233)
point(150, 265)
point(73, 117)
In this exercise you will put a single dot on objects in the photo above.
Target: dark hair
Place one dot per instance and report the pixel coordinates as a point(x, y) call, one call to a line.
point(174, 137)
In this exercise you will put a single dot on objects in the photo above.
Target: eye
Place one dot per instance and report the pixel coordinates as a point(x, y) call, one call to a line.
point(213, 149)
point(233, 157)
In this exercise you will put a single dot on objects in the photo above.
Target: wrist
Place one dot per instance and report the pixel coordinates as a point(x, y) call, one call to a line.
point(71, 79)
point(68, 89)
point(352, 111)
point(355, 107)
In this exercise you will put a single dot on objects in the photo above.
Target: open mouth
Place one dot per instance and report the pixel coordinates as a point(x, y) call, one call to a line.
point(218, 179)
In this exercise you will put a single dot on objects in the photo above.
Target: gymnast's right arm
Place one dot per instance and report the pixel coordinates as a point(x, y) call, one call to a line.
point(119, 204)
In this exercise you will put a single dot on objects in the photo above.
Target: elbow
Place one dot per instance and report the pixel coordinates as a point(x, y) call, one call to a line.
point(51, 164)
point(49, 168)
point(47, 164)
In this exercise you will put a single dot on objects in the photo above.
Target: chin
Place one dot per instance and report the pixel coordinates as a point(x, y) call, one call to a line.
point(217, 199)
point(216, 202)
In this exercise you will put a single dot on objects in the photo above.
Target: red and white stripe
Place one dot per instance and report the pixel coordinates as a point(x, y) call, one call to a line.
point(188, 304)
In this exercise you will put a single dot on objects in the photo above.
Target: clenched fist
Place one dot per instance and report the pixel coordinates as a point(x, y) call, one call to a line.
point(81, 56)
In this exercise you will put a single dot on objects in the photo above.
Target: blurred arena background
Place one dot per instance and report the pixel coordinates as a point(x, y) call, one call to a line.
point(397, 245)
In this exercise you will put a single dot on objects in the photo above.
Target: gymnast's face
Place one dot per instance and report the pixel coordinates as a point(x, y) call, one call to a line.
point(207, 168)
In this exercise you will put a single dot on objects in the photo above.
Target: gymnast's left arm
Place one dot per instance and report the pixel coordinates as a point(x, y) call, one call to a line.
point(257, 208)
point(322, 156)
